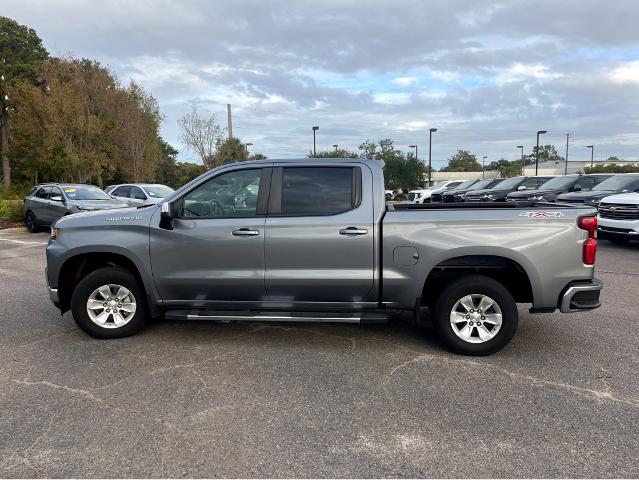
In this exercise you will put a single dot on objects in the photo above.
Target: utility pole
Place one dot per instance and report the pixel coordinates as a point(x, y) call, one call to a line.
point(521, 147)
point(430, 151)
point(483, 167)
point(567, 138)
point(540, 132)
point(230, 120)
point(315, 129)
point(592, 154)
point(336, 145)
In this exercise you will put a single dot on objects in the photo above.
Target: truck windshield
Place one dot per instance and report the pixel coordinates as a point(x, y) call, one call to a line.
point(77, 192)
point(158, 191)
point(559, 183)
point(465, 185)
point(481, 184)
point(617, 183)
point(509, 183)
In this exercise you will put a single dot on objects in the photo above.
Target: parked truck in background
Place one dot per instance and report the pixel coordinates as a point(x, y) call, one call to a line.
point(618, 219)
point(313, 240)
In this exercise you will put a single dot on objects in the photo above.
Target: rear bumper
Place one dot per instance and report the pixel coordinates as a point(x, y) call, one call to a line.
point(578, 296)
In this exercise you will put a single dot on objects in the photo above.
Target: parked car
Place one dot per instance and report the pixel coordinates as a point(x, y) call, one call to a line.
point(621, 183)
point(618, 219)
point(423, 195)
point(550, 190)
point(315, 241)
point(457, 194)
point(48, 202)
point(139, 193)
point(437, 197)
point(499, 192)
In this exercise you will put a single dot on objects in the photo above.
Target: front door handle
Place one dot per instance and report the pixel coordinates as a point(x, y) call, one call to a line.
point(352, 231)
point(245, 232)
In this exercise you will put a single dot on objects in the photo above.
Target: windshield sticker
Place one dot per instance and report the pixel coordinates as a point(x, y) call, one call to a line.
point(551, 214)
point(70, 190)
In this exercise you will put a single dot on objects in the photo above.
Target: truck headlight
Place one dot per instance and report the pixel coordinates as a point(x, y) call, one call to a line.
point(537, 197)
point(594, 201)
point(490, 196)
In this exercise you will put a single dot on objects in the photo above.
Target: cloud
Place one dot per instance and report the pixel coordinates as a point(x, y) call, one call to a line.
point(486, 74)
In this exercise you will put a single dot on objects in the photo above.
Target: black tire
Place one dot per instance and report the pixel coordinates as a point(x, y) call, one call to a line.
point(470, 285)
point(96, 279)
point(618, 239)
point(31, 223)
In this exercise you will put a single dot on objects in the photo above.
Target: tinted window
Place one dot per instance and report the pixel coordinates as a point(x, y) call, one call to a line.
point(82, 192)
point(530, 183)
point(619, 183)
point(509, 183)
point(44, 193)
point(55, 191)
point(158, 191)
point(586, 183)
point(137, 193)
point(123, 191)
point(232, 194)
point(317, 190)
point(452, 185)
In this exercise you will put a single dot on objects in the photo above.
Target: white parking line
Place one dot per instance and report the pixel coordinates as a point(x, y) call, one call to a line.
point(11, 240)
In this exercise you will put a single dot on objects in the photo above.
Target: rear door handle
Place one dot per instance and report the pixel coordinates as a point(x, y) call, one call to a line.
point(245, 232)
point(352, 231)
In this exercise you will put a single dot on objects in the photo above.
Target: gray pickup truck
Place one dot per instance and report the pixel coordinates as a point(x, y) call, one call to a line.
point(314, 241)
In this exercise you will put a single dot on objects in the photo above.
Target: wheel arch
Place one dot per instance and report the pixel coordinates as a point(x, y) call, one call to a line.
point(507, 271)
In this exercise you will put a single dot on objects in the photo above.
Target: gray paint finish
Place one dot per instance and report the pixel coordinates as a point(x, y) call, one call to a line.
point(296, 262)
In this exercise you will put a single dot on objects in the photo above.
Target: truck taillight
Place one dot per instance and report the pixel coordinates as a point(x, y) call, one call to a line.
point(590, 245)
point(589, 224)
point(590, 251)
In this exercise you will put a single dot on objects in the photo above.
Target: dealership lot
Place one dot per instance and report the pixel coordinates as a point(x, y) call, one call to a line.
point(207, 399)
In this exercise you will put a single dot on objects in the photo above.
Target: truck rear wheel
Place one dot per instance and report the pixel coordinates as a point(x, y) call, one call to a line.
point(475, 315)
point(109, 303)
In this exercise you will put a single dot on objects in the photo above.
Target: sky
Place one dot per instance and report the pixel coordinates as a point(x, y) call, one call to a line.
point(486, 74)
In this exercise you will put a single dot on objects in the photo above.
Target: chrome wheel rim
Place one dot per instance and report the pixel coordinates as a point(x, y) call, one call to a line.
point(476, 318)
point(111, 306)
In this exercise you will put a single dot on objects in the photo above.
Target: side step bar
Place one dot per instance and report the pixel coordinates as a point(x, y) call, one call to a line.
point(268, 316)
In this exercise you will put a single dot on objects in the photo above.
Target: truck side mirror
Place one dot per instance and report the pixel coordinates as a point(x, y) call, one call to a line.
point(167, 215)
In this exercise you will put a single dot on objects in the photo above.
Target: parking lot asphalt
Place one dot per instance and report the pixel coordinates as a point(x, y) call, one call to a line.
point(292, 400)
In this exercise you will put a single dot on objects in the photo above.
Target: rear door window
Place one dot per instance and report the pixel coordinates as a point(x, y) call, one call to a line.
point(310, 191)
point(585, 183)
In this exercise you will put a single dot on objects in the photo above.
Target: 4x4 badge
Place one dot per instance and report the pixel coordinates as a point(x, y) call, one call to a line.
point(550, 214)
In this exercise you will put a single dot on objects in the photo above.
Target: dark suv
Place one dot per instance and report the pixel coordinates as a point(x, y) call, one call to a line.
point(550, 190)
point(457, 195)
point(47, 203)
point(499, 192)
point(621, 183)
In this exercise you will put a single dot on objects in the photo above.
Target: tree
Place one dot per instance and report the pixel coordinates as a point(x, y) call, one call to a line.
point(231, 149)
point(202, 135)
point(505, 168)
point(401, 171)
point(166, 170)
point(462, 161)
point(612, 168)
point(21, 52)
point(258, 156)
point(339, 153)
point(547, 153)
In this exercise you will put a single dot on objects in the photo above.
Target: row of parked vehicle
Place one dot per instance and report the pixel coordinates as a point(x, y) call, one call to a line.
point(615, 195)
point(48, 202)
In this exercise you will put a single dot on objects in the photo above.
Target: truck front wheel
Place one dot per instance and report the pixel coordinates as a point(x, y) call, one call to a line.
point(109, 303)
point(475, 315)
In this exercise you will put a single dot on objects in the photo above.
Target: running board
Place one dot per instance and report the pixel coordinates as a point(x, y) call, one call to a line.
point(266, 316)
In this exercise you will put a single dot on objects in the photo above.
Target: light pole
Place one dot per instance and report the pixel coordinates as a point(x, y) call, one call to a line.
point(592, 154)
point(430, 152)
point(336, 145)
point(521, 147)
point(483, 165)
point(539, 132)
point(246, 145)
point(315, 129)
point(415, 147)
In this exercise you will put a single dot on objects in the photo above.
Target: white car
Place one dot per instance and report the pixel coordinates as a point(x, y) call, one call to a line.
point(618, 219)
point(423, 195)
point(139, 193)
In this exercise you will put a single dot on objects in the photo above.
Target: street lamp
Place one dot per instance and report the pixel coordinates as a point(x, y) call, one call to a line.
point(430, 151)
point(246, 145)
point(483, 167)
point(315, 129)
point(522, 158)
point(539, 132)
point(592, 154)
point(415, 147)
point(336, 145)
